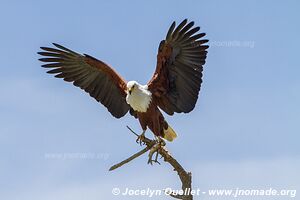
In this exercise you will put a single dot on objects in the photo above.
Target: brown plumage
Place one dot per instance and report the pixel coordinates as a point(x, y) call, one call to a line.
point(174, 86)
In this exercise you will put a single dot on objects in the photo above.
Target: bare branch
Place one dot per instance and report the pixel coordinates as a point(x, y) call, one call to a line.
point(129, 159)
point(185, 177)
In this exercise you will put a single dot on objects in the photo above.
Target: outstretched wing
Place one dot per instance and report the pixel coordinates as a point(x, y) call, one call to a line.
point(176, 82)
point(92, 75)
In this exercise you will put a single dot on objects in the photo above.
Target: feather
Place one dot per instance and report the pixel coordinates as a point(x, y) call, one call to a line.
point(89, 74)
point(170, 31)
point(180, 75)
point(179, 27)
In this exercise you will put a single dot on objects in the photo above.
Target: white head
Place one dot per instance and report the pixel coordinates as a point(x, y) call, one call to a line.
point(138, 96)
point(131, 85)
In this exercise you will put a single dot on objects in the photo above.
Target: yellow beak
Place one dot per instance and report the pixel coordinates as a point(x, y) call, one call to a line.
point(129, 90)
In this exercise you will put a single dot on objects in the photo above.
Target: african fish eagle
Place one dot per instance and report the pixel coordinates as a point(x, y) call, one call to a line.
point(174, 86)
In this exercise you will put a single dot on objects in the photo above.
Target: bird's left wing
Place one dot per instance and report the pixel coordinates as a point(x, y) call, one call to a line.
point(92, 75)
point(178, 76)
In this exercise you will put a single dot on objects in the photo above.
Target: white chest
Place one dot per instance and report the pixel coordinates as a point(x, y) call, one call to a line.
point(139, 100)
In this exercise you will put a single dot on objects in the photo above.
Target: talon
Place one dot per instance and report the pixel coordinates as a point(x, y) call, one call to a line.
point(141, 138)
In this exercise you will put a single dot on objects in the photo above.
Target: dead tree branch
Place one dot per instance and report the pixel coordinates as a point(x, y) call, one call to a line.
point(185, 177)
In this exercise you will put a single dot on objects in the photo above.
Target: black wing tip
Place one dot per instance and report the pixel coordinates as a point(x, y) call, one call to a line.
point(192, 23)
point(47, 48)
point(202, 34)
point(186, 20)
point(58, 46)
point(204, 41)
point(42, 59)
point(41, 52)
point(55, 44)
point(197, 28)
point(44, 48)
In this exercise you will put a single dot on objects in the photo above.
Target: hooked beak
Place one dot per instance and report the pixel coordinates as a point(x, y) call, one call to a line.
point(129, 90)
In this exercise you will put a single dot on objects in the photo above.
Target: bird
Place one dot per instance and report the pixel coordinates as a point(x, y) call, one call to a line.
point(173, 88)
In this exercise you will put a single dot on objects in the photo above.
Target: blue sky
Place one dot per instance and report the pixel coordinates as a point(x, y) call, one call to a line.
point(244, 131)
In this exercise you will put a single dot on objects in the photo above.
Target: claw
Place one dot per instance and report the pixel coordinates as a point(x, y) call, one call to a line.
point(141, 138)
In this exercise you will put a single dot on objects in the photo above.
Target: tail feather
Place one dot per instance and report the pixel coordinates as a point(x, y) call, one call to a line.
point(170, 134)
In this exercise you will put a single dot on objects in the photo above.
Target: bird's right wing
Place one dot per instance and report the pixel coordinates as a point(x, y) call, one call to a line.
point(92, 75)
